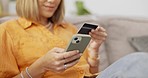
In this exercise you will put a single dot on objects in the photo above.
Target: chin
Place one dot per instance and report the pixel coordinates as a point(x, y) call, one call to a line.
point(48, 15)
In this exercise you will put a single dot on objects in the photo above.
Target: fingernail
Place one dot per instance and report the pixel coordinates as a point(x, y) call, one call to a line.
point(99, 27)
point(90, 33)
point(77, 51)
point(92, 30)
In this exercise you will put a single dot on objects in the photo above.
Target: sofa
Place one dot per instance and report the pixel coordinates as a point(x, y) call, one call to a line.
point(125, 35)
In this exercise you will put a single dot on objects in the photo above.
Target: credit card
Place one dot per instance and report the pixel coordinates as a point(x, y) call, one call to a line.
point(86, 28)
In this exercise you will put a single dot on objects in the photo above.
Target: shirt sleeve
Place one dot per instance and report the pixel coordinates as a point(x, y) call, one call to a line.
point(8, 65)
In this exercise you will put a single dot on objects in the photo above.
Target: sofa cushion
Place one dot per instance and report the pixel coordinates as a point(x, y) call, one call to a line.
point(103, 58)
point(140, 43)
point(119, 31)
point(6, 18)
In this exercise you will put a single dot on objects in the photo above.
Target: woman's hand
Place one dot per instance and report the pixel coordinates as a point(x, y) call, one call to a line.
point(56, 60)
point(98, 36)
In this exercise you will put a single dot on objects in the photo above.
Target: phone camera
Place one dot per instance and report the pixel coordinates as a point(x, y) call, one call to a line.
point(77, 41)
point(76, 38)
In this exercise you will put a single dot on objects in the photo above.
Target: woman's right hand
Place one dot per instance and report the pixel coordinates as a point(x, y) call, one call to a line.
point(56, 60)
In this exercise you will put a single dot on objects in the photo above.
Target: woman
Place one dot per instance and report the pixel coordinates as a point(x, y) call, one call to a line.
point(32, 46)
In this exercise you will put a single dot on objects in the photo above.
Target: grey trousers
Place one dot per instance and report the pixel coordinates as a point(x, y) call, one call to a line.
point(131, 66)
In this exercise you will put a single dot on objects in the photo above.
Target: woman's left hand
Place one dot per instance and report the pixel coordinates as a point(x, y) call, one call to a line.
point(97, 38)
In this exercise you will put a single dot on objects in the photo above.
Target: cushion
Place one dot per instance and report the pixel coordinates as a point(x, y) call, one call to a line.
point(6, 18)
point(140, 43)
point(119, 31)
point(103, 58)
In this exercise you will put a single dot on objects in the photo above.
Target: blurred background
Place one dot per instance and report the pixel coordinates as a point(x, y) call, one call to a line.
point(99, 7)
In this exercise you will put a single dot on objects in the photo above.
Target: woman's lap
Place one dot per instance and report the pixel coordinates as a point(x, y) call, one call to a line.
point(131, 66)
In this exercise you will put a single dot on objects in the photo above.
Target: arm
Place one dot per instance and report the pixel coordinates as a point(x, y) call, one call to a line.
point(8, 64)
point(52, 61)
point(93, 60)
point(35, 71)
point(98, 36)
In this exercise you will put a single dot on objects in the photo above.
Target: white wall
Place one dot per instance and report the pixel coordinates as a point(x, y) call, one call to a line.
point(112, 7)
point(12, 7)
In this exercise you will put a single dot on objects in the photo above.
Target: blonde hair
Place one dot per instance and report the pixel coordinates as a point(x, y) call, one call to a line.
point(28, 9)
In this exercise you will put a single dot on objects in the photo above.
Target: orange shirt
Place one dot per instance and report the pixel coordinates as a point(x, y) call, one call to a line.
point(22, 42)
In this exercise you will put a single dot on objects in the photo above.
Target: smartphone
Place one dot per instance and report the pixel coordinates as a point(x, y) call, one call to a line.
point(78, 42)
point(86, 28)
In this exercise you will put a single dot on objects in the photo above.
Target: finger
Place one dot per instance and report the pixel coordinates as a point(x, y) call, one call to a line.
point(71, 53)
point(63, 67)
point(96, 37)
point(58, 50)
point(72, 58)
point(100, 29)
point(71, 64)
point(68, 54)
point(98, 33)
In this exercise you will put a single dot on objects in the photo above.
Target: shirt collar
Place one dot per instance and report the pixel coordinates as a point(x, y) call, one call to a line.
point(27, 23)
point(24, 22)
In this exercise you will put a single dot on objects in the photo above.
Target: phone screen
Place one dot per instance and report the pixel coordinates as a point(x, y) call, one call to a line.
point(86, 28)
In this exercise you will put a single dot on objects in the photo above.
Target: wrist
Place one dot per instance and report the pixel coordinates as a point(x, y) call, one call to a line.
point(36, 70)
point(94, 56)
point(93, 62)
point(93, 52)
point(93, 65)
